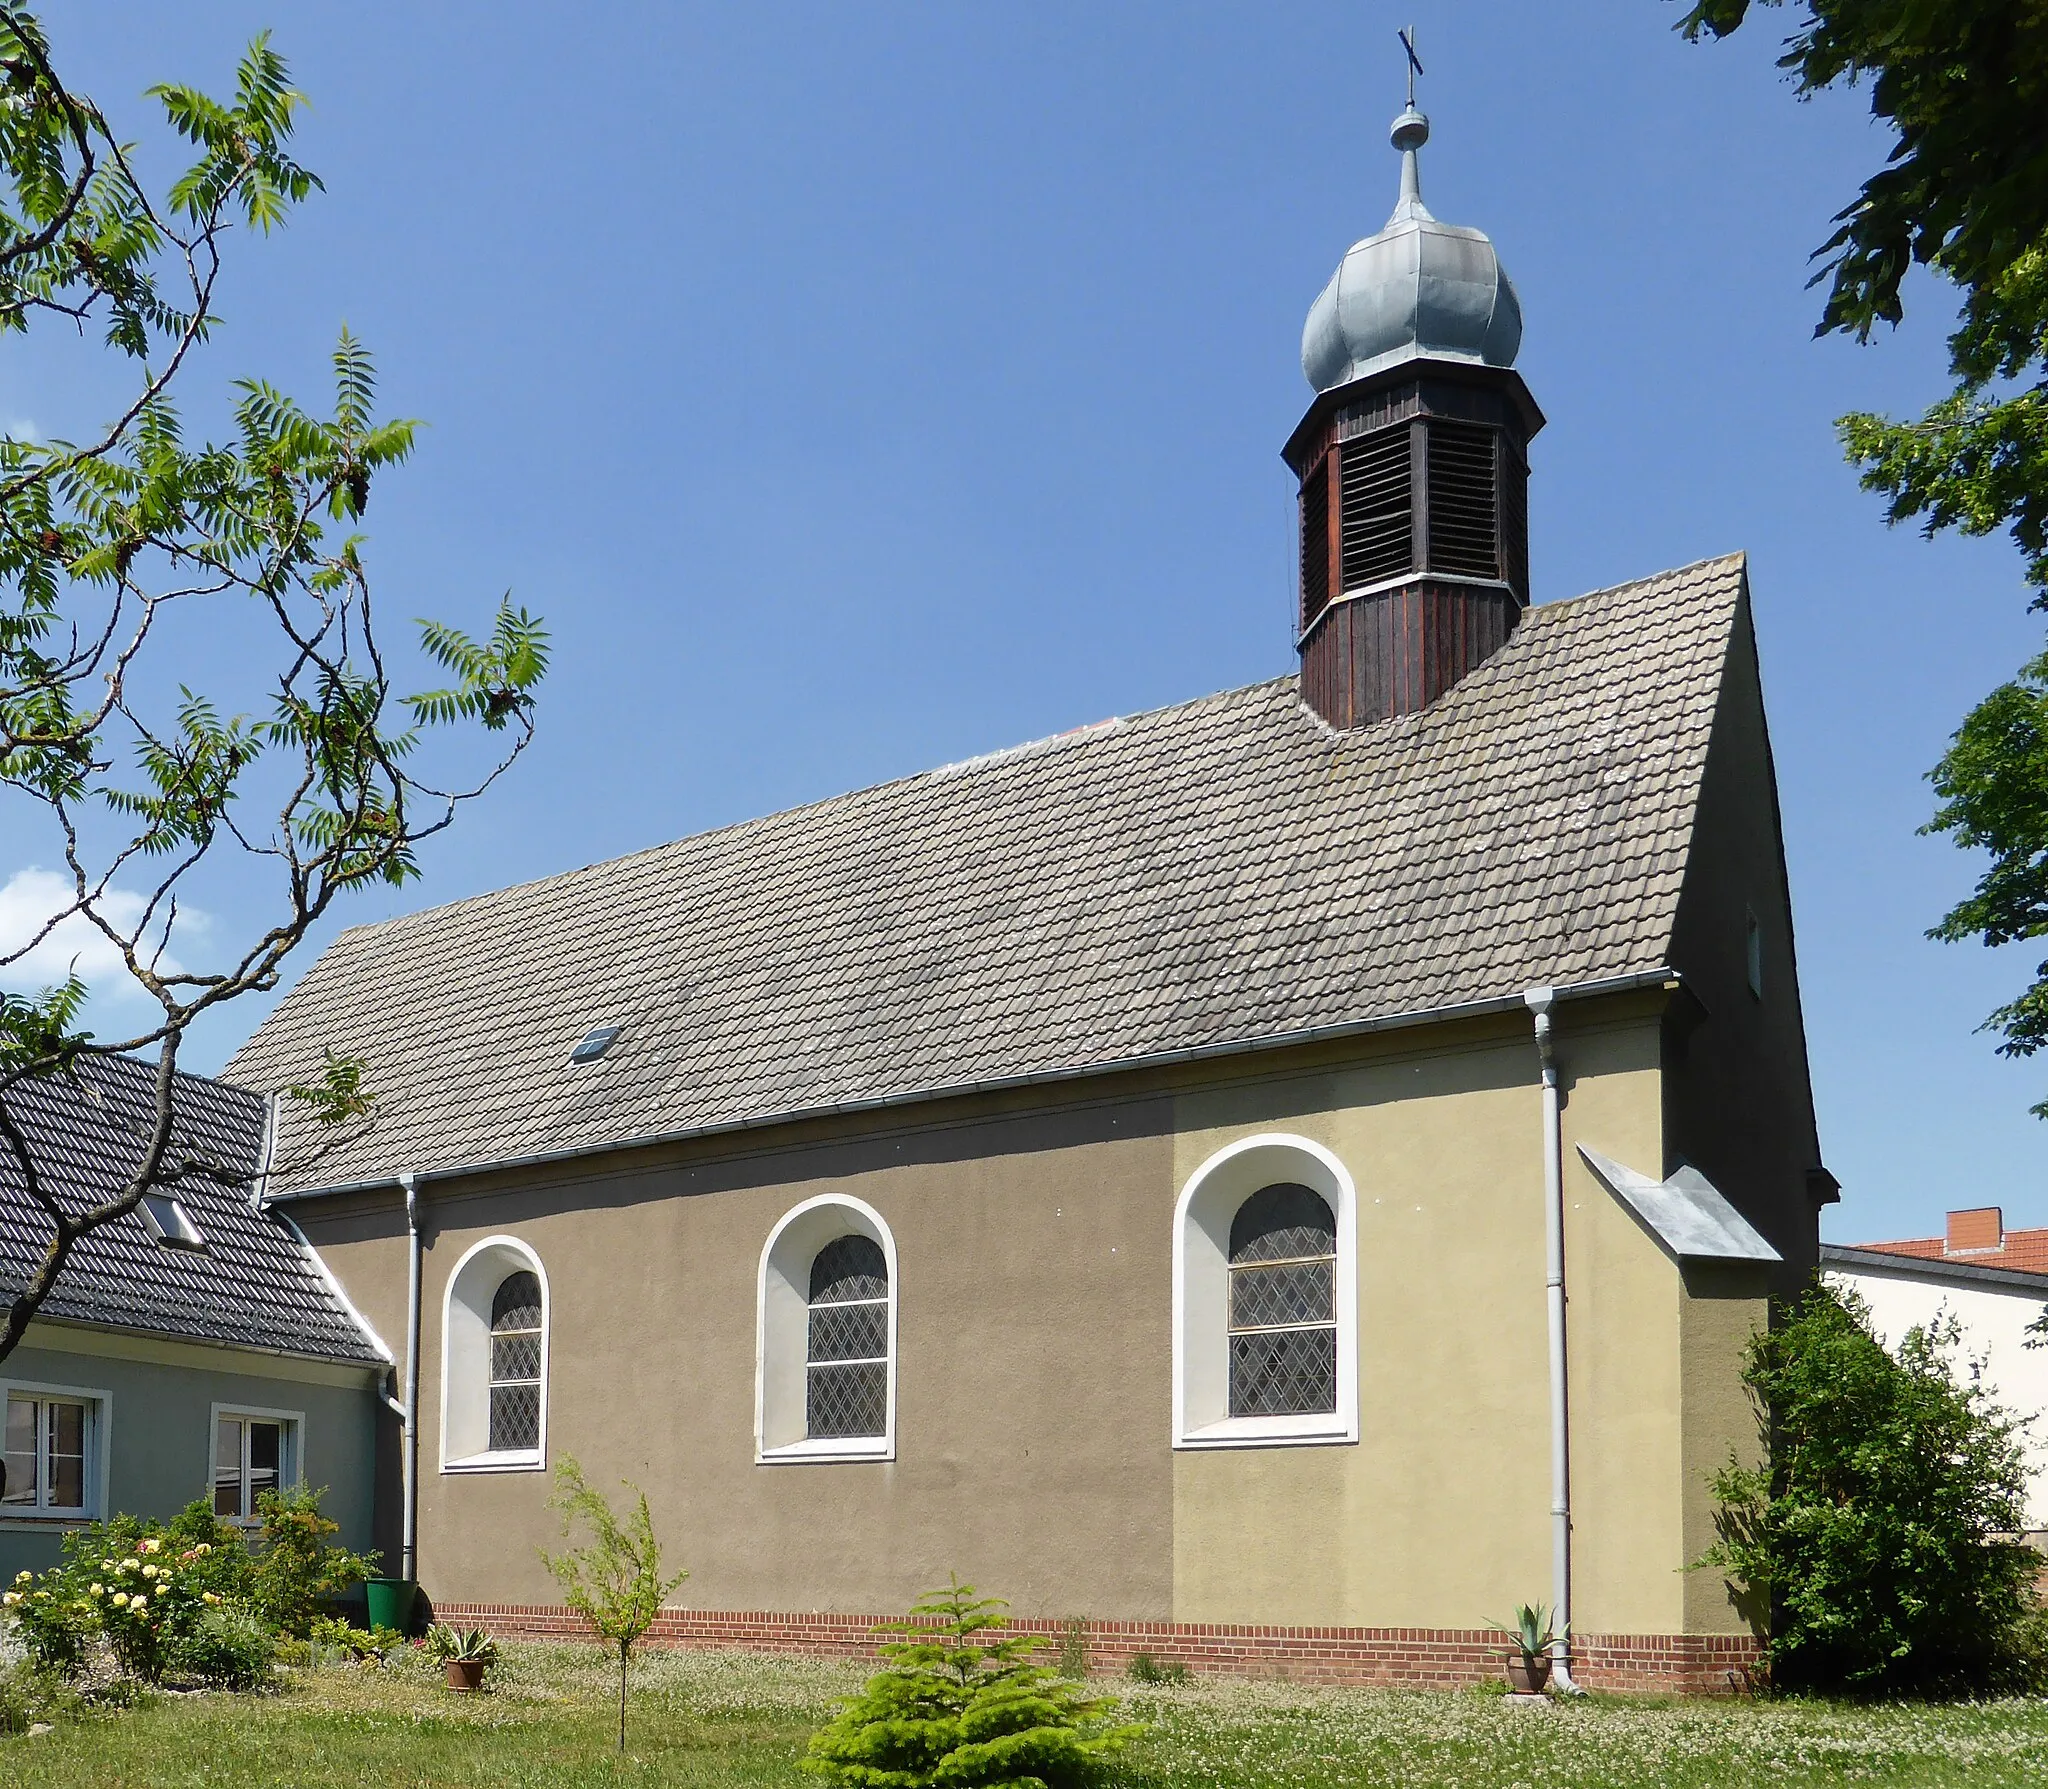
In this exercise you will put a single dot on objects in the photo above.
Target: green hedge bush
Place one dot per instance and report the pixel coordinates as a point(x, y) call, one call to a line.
point(1878, 1543)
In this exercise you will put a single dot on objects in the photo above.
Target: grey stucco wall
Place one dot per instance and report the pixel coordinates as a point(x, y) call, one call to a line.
point(159, 1435)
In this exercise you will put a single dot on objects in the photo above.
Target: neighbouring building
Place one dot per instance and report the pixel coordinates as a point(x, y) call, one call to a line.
point(1122, 1169)
point(1994, 1283)
point(193, 1348)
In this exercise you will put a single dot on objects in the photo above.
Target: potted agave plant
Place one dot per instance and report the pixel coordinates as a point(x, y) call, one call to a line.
point(1530, 1638)
point(468, 1655)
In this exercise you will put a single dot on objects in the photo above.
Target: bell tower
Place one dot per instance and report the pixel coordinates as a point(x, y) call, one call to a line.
point(1413, 464)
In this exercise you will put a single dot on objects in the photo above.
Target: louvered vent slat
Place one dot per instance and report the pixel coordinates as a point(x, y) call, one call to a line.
point(1315, 544)
point(1464, 501)
point(1378, 542)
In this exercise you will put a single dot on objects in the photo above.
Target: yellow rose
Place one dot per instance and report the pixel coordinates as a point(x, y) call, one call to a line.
point(204, 1548)
point(10, 1599)
point(99, 1590)
point(151, 1545)
point(149, 1571)
point(209, 1596)
point(131, 1565)
point(23, 1577)
point(120, 1599)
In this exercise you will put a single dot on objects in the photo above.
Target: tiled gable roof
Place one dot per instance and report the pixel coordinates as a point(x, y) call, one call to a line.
point(255, 1284)
point(2020, 1251)
point(1223, 871)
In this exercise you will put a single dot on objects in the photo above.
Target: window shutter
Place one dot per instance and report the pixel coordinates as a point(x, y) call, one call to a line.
point(1377, 508)
point(1464, 500)
point(1315, 543)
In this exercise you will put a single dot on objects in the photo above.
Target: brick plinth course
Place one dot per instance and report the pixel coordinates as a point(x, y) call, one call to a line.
point(1441, 1658)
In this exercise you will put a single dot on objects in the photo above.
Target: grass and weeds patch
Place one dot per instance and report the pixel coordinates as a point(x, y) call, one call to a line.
point(723, 1719)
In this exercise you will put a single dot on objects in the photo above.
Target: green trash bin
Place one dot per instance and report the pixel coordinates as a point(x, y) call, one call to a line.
point(390, 1601)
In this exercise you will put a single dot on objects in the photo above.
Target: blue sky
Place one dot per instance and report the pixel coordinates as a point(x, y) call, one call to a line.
point(857, 388)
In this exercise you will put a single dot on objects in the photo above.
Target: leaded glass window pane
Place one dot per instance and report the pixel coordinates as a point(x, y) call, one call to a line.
point(850, 1331)
point(1283, 1372)
point(516, 1320)
point(1289, 1292)
point(515, 1418)
point(853, 1267)
point(1282, 1223)
point(1283, 1304)
point(515, 1357)
point(848, 1400)
point(517, 1304)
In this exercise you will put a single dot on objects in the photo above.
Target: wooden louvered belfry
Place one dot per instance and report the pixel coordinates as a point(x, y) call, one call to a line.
point(1414, 533)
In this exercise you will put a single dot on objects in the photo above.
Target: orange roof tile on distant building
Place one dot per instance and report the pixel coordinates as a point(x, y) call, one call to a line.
point(1979, 1237)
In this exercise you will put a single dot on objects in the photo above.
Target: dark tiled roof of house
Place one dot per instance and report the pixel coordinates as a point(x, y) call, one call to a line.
point(1215, 873)
point(254, 1284)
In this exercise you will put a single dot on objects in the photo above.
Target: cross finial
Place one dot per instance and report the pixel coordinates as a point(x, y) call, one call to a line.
point(1407, 38)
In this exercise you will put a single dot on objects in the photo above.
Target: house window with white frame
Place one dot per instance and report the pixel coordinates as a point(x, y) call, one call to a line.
point(252, 1453)
point(825, 1386)
point(51, 1443)
point(494, 1360)
point(1265, 1298)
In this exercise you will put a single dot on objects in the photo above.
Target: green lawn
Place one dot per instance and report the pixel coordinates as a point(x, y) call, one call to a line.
point(722, 1718)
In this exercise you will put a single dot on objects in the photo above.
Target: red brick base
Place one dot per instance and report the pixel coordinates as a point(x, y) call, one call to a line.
point(1695, 1664)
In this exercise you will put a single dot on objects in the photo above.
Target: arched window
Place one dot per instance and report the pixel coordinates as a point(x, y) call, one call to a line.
point(1265, 1298)
point(826, 1363)
point(515, 1364)
point(846, 1389)
point(1283, 1304)
point(494, 1360)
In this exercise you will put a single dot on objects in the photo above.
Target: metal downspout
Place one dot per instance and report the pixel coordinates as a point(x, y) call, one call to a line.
point(409, 1548)
point(1540, 1001)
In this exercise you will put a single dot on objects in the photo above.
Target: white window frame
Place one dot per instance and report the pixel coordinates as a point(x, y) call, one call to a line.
point(99, 1407)
point(466, 1357)
point(291, 1469)
point(1201, 1294)
point(782, 1334)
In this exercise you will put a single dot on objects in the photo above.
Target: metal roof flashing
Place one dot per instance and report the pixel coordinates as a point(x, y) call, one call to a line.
point(1685, 1213)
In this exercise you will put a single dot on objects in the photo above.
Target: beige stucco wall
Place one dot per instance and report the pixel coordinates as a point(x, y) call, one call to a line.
point(1440, 1516)
point(1034, 1419)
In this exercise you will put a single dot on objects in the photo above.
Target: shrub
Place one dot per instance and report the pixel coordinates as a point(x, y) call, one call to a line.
point(951, 1707)
point(297, 1570)
point(1074, 1648)
point(329, 1633)
point(1144, 1668)
point(139, 1586)
point(615, 1583)
point(228, 1648)
point(1875, 1539)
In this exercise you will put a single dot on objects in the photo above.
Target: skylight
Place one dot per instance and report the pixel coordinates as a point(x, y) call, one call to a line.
point(595, 1043)
point(174, 1229)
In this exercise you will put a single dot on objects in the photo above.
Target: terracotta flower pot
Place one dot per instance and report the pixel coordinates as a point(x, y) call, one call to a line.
point(1526, 1675)
point(465, 1674)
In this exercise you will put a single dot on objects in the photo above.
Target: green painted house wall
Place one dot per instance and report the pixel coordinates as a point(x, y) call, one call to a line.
point(157, 1427)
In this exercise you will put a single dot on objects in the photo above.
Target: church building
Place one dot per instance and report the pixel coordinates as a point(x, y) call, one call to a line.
point(1280, 1179)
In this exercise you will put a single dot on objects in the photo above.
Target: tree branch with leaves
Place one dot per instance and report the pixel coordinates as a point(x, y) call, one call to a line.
point(314, 782)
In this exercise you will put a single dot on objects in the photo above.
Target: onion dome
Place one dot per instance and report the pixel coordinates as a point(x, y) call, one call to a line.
point(1419, 289)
